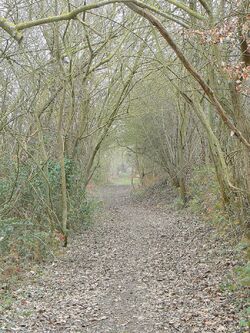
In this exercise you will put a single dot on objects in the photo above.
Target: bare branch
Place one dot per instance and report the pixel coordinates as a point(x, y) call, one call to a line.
point(14, 30)
point(10, 28)
point(206, 88)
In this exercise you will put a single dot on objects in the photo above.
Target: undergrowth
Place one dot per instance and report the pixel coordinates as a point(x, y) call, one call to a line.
point(205, 201)
point(30, 213)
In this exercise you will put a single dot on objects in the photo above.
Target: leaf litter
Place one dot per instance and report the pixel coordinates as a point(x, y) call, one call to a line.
point(142, 267)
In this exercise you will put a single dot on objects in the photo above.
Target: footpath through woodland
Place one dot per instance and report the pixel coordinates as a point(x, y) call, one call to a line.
point(140, 268)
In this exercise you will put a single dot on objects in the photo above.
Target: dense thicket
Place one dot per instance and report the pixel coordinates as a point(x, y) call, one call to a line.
point(169, 78)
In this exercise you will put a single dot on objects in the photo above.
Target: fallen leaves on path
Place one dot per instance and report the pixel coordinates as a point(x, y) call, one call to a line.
point(138, 269)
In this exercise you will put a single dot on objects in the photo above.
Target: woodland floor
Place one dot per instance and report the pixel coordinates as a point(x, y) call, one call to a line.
point(142, 267)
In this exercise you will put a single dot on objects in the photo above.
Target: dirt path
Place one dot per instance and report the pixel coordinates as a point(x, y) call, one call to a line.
point(137, 270)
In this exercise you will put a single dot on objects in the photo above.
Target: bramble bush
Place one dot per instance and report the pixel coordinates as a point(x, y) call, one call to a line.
point(30, 209)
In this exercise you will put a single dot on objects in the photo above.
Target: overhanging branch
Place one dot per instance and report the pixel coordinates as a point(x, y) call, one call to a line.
point(206, 88)
point(11, 29)
point(14, 30)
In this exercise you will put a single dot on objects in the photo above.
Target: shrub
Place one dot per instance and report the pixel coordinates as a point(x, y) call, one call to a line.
point(30, 208)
